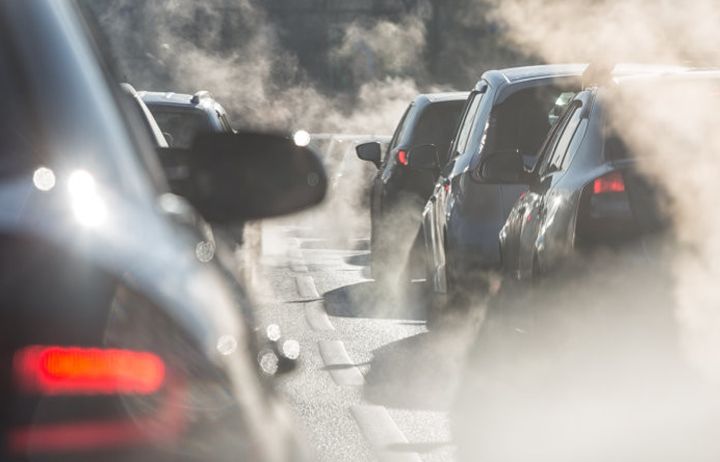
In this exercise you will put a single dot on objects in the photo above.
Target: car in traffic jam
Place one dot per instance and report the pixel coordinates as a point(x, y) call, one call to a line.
point(122, 338)
point(384, 257)
point(403, 184)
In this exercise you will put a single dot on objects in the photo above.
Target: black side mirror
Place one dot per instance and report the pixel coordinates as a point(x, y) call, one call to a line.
point(502, 167)
point(423, 157)
point(371, 152)
point(231, 177)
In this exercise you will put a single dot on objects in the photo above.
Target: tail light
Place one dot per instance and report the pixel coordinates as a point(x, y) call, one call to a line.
point(60, 370)
point(402, 156)
point(97, 373)
point(613, 182)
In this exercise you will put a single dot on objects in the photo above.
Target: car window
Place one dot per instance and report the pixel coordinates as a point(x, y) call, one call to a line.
point(560, 105)
point(561, 140)
point(182, 124)
point(436, 126)
point(550, 142)
point(467, 123)
point(522, 122)
point(399, 131)
point(577, 138)
point(136, 105)
point(615, 148)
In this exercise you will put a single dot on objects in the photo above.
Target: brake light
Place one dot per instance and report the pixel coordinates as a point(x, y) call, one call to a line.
point(612, 182)
point(402, 157)
point(53, 370)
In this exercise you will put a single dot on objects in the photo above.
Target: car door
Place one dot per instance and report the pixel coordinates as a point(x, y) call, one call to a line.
point(435, 210)
point(541, 203)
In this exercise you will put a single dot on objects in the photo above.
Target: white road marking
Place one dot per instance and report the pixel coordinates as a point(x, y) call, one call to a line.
point(339, 364)
point(383, 434)
point(306, 287)
point(317, 317)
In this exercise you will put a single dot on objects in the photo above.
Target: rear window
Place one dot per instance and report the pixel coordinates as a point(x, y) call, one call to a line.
point(437, 125)
point(522, 122)
point(615, 148)
point(181, 124)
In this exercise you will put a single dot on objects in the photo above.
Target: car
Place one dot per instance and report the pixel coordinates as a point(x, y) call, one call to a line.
point(509, 112)
point(607, 284)
point(586, 193)
point(399, 189)
point(153, 129)
point(181, 116)
point(122, 339)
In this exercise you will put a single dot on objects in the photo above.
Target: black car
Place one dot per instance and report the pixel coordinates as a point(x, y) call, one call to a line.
point(586, 191)
point(121, 337)
point(400, 189)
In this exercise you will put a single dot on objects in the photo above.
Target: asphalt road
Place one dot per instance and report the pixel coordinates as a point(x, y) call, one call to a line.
point(372, 382)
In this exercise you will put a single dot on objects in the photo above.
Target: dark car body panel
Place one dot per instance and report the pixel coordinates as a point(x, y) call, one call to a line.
point(132, 278)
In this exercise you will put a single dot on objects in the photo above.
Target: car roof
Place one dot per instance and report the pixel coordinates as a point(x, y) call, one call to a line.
point(201, 99)
point(678, 75)
point(169, 98)
point(508, 76)
point(523, 74)
point(442, 97)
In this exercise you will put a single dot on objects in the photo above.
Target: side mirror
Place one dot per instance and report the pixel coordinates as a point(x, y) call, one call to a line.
point(502, 167)
point(231, 177)
point(423, 157)
point(371, 152)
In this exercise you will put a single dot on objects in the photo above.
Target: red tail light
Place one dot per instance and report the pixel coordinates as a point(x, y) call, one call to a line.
point(612, 182)
point(402, 157)
point(56, 370)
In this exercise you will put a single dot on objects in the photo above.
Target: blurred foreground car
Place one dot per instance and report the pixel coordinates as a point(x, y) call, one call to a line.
point(402, 185)
point(122, 339)
point(586, 192)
